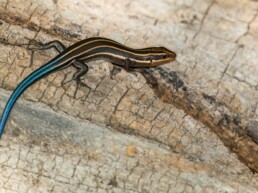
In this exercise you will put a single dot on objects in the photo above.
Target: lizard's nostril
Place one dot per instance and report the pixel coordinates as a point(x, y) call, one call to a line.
point(172, 55)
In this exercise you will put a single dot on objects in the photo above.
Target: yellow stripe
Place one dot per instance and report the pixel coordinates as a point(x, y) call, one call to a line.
point(115, 55)
point(109, 47)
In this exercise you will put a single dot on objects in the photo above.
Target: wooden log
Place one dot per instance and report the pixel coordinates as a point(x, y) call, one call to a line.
point(195, 131)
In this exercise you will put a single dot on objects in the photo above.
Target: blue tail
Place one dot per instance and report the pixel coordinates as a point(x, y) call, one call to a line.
point(33, 77)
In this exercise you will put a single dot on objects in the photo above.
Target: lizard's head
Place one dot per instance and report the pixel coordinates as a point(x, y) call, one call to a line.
point(160, 55)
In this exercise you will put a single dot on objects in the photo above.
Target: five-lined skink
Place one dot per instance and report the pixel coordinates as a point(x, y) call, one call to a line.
point(87, 50)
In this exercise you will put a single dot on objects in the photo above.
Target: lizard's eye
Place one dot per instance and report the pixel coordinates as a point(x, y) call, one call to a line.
point(164, 57)
point(150, 58)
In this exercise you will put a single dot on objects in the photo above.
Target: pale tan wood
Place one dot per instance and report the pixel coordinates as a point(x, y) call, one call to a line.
point(195, 132)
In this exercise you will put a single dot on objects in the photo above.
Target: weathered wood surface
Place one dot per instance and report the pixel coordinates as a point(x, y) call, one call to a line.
point(195, 132)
